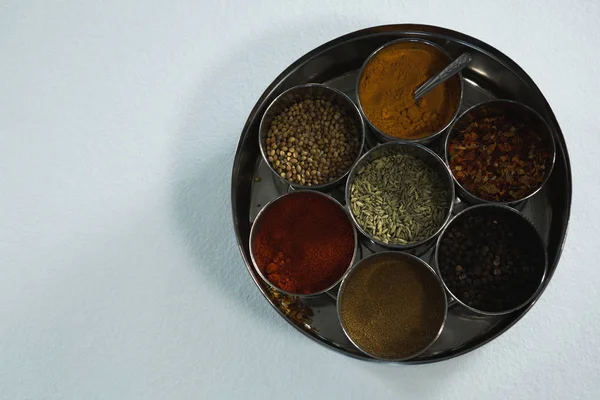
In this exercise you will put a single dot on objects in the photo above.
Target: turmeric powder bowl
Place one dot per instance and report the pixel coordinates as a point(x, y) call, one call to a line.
point(385, 87)
point(302, 243)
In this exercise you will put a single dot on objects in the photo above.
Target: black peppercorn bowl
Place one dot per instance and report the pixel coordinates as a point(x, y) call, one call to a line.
point(514, 110)
point(299, 93)
point(491, 259)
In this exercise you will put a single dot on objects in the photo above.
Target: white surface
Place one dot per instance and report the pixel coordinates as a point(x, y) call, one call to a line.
point(119, 273)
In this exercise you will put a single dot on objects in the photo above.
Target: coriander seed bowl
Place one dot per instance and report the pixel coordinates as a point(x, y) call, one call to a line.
point(392, 306)
point(452, 101)
point(310, 136)
point(302, 243)
point(404, 203)
point(491, 259)
point(516, 121)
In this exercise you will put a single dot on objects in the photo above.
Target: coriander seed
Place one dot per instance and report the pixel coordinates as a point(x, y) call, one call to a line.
point(312, 142)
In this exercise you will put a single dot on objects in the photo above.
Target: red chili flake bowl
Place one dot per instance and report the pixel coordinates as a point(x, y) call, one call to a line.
point(500, 151)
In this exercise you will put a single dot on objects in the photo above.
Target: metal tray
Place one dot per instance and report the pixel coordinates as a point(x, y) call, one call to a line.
point(490, 75)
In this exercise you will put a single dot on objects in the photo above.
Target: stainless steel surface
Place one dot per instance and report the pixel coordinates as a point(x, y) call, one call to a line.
point(263, 212)
point(452, 69)
point(303, 92)
point(493, 108)
point(490, 75)
point(534, 241)
point(402, 257)
point(382, 136)
point(422, 153)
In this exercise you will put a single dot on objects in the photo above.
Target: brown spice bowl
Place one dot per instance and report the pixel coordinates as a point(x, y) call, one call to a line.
point(334, 206)
point(523, 231)
point(433, 161)
point(374, 308)
point(303, 92)
point(456, 81)
point(515, 111)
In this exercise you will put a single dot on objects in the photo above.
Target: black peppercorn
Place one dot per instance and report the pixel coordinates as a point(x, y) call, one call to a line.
point(499, 266)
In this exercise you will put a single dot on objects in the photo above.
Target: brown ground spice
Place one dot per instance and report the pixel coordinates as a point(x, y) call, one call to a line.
point(392, 309)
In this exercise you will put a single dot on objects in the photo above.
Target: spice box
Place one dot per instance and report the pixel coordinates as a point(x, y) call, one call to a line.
point(490, 76)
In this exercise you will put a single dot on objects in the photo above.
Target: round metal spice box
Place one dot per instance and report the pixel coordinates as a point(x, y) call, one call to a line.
point(336, 65)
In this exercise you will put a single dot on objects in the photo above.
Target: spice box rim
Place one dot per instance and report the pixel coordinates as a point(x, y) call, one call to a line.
point(244, 193)
point(388, 138)
point(464, 192)
point(502, 208)
point(256, 224)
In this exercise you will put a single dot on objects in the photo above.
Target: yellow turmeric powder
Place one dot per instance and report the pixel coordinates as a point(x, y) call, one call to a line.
point(387, 85)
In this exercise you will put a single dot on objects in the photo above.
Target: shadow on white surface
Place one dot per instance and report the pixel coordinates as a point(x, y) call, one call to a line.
point(203, 214)
point(201, 182)
point(408, 379)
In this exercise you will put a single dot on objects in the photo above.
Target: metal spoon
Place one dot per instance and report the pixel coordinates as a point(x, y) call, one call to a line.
point(453, 68)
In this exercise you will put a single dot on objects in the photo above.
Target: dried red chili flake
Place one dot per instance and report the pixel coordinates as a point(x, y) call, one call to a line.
point(498, 158)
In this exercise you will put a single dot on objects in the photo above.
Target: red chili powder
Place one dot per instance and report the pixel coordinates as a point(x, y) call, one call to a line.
point(304, 243)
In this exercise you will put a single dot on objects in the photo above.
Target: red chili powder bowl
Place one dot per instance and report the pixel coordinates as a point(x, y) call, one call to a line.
point(302, 243)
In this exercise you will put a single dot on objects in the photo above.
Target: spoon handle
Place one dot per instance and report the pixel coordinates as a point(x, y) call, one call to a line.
point(453, 68)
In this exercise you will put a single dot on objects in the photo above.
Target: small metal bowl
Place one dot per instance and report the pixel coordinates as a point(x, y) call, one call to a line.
point(415, 150)
point(524, 225)
point(457, 79)
point(492, 108)
point(436, 290)
point(304, 92)
point(265, 210)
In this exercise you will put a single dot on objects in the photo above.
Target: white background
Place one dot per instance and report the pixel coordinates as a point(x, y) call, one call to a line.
point(119, 274)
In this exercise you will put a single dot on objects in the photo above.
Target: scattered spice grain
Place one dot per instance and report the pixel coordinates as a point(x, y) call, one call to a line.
point(293, 308)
